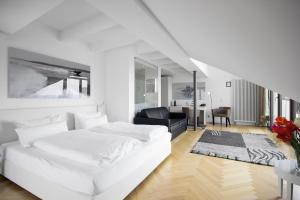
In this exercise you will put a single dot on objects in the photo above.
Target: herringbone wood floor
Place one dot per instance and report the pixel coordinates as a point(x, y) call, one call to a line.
point(186, 176)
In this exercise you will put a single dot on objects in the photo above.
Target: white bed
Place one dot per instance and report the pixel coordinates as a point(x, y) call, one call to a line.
point(52, 177)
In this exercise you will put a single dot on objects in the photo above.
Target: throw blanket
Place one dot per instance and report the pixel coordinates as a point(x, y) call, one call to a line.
point(88, 147)
point(144, 133)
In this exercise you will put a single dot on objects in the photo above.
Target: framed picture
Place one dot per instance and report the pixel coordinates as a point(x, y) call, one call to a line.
point(228, 84)
point(33, 75)
point(185, 91)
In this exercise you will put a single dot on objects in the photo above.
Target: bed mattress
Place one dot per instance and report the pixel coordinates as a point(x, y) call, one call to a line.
point(79, 177)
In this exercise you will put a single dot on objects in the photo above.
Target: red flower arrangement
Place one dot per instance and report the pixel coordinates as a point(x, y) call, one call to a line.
point(288, 132)
point(284, 129)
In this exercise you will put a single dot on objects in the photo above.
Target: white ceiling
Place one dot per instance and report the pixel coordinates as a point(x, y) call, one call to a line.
point(168, 66)
point(78, 20)
point(256, 40)
point(69, 13)
point(16, 14)
point(135, 17)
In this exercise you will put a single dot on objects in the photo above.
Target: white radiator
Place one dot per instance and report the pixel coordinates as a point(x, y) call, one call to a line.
point(247, 101)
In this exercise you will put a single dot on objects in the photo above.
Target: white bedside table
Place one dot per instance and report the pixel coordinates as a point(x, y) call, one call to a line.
point(286, 170)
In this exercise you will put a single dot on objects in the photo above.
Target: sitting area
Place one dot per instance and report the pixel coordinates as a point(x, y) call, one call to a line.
point(176, 122)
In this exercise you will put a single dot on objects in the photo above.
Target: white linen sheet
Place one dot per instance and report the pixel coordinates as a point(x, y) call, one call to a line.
point(141, 132)
point(88, 147)
point(80, 177)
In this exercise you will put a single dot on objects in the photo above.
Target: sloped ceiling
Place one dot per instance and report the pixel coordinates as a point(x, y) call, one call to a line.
point(135, 17)
point(78, 21)
point(257, 40)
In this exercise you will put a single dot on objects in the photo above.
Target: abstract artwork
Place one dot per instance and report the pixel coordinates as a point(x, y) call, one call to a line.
point(185, 91)
point(33, 75)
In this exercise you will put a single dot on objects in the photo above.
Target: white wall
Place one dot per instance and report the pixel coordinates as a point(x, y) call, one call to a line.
point(41, 39)
point(159, 86)
point(182, 77)
point(119, 83)
point(186, 77)
point(214, 83)
point(166, 91)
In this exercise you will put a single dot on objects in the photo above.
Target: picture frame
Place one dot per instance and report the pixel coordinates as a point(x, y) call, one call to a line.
point(228, 84)
point(36, 76)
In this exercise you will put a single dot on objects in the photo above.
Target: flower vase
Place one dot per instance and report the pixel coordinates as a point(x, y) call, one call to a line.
point(297, 154)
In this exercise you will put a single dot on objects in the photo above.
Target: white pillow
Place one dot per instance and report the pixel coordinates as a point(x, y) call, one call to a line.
point(89, 120)
point(41, 121)
point(27, 135)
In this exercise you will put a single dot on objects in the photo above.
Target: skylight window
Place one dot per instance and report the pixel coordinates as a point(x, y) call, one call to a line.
point(202, 66)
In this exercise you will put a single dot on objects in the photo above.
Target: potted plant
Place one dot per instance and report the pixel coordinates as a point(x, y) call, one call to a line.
point(288, 132)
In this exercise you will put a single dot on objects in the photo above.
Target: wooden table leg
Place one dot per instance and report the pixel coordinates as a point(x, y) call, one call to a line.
point(289, 191)
point(280, 186)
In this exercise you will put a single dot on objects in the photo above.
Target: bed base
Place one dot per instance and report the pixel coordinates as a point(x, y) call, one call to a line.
point(47, 190)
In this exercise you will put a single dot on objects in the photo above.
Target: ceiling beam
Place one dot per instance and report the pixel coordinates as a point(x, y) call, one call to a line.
point(162, 61)
point(153, 55)
point(170, 65)
point(108, 39)
point(143, 48)
point(166, 72)
point(135, 16)
point(88, 27)
point(112, 43)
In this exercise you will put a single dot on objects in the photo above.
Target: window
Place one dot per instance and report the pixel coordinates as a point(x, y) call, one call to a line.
point(146, 94)
point(275, 106)
point(297, 110)
point(285, 102)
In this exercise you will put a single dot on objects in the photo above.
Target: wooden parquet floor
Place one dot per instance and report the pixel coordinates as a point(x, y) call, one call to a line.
point(187, 176)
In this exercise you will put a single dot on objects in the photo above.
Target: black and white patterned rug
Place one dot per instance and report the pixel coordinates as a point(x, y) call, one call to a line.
point(248, 147)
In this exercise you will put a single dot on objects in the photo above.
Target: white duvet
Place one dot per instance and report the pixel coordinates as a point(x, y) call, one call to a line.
point(88, 147)
point(141, 132)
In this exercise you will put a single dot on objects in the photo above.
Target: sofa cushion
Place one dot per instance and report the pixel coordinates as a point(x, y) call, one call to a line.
point(164, 112)
point(175, 121)
point(156, 113)
point(178, 122)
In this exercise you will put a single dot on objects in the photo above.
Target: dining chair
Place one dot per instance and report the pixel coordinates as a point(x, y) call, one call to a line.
point(221, 112)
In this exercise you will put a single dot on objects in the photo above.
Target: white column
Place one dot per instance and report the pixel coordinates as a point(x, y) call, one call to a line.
point(159, 85)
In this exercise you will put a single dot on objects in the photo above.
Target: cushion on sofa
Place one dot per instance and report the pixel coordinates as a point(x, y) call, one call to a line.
point(175, 121)
point(155, 113)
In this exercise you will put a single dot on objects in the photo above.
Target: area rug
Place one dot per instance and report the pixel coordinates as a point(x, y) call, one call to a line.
point(247, 147)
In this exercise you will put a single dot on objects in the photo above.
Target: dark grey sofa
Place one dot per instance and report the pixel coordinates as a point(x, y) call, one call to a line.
point(176, 122)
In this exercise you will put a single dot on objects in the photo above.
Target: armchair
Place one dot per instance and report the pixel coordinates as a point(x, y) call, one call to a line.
point(221, 112)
